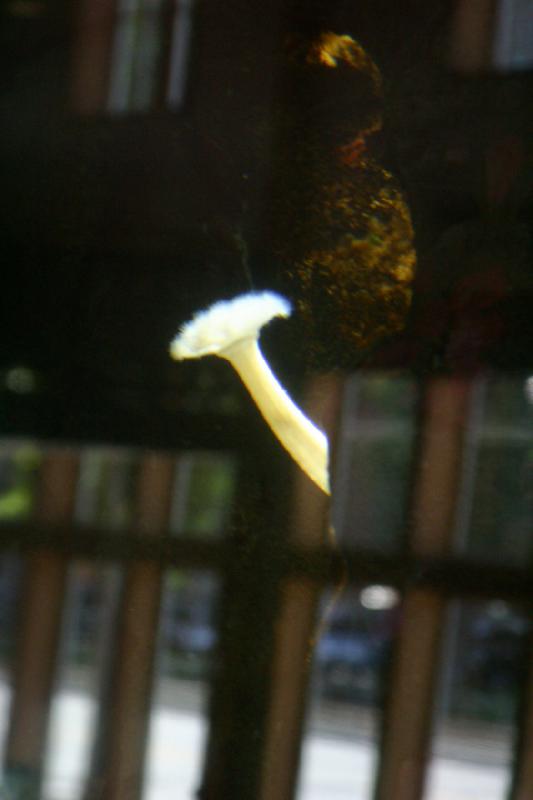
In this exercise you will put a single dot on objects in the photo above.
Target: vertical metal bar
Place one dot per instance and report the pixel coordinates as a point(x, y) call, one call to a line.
point(445, 416)
point(293, 648)
point(40, 626)
point(296, 625)
point(409, 715)
point(118, 761)
point(240, 687)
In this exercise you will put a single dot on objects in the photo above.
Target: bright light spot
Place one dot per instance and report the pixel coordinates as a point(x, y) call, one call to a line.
point(379, 598)
point(498, 610)
point(528, 388)
point(20, 380)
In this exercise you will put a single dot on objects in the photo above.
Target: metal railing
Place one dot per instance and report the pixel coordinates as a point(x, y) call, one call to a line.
point(273, 563)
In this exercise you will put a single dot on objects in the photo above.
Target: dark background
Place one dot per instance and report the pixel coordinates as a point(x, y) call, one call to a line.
point(116, 227)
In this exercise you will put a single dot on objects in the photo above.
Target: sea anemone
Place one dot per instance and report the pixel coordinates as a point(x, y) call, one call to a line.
point(230, 329)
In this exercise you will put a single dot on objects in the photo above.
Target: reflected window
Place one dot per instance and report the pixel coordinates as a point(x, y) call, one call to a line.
point(106, 487)
point(203, 493)
point(19, 468)
point(11, 571)
point(374, 463)
point(513, 40)
point(204, 483)
point(497, 491)
point(350, 662)
point(131, 56)
point(186, 652)
point(494, 510)
point(149, 55)
point(481, 677)
point(89, 620)
point(498, 36)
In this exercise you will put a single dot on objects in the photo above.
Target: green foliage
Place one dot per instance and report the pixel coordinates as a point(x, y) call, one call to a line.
point(17, 491)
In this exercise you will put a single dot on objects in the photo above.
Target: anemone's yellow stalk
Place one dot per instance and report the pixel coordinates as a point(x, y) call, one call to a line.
point(230, 330)
point(303, 440)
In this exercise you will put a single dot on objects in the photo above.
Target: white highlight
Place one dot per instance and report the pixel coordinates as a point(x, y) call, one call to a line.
point(379, 598)
point(230, 330)
point(227, 322)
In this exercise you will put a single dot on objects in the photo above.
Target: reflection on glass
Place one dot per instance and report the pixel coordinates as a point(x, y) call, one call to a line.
point(350, 661)
point(90, 608)
point(141, 49)
point(106, 487)
point(179, 53)
point(374, 462)
point(513, 37)
point(19, 465)
point(10, 582)
point(136, 54)
point(203, 491)
point(498, 496)
point(187, 640)
point(472, 746)
point(204, 483)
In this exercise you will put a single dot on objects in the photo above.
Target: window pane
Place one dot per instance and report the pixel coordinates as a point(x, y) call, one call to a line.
point(472, 747)
point(186, 656)
point(179, 53)
point(88, 627)
point(375, 452)
point(107, 485)
point(19, 468)
point(203, 493)
point(501, 499)
point(350, 661)
point(513, 38)
point(136, 55)
point(146, 62)
point(11, 570)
